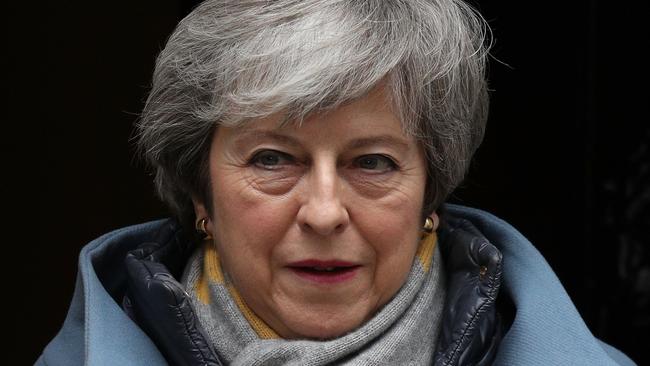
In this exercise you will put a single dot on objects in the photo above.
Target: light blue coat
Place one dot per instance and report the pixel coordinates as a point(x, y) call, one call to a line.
point(547, 328)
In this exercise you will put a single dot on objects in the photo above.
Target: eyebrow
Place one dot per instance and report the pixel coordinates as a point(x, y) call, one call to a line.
point(362, 142)
point(252, 136)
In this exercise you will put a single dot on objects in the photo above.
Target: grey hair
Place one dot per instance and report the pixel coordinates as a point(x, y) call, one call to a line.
point(232, 61)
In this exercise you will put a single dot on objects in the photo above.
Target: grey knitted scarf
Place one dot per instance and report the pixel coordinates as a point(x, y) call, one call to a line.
point(403, 332)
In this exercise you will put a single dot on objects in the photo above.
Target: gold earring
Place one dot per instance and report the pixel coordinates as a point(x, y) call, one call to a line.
point(200, 227)
point(428, 225)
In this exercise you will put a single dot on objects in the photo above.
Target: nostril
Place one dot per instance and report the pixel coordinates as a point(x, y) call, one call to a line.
point(323, 230)
point(324, 224)
point(305, 226)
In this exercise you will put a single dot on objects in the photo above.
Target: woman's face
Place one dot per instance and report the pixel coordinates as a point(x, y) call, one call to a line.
point(317, 226)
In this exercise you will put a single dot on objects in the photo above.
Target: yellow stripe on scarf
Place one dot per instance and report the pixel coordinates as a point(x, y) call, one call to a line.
point(212, 274)
point(425, 250)
point(258, 325)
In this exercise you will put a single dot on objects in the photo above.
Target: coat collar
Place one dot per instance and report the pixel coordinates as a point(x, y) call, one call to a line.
point(546, 327)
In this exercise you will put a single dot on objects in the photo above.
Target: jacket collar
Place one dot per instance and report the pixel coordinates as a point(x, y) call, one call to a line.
point(471, 327)
point(546, 328)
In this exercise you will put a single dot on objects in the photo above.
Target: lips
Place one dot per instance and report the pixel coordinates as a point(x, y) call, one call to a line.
point(324, 272)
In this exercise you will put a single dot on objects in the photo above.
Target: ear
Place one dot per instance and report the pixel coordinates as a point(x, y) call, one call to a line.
point(436, 220)
point(200, 212)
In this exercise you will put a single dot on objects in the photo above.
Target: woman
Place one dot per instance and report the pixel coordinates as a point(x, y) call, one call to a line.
point(306, 149)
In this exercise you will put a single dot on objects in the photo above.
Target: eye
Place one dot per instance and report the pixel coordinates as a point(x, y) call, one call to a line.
point(270, 159)
point(375, 163)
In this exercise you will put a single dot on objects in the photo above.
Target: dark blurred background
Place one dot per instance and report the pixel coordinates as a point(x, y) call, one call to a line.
point(565, 158)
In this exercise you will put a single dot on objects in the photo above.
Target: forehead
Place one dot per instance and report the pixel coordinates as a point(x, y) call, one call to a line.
point(363, 121)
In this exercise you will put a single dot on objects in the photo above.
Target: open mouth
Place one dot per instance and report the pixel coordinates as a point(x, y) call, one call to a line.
point(325, 273)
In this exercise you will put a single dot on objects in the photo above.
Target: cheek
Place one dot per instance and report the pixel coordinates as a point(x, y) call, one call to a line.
point(395, 238)
point(396, 215)
point(248, 225)
point(396, 252)
point(392, 227)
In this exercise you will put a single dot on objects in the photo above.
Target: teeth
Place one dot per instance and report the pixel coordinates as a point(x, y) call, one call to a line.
point(328, 269)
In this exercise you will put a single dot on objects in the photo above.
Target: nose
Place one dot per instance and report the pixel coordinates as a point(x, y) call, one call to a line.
point(322, 210)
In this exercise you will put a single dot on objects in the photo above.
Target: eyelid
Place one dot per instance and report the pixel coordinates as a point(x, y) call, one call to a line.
point(267, 150)
point(386, 158)
point(256, 155)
